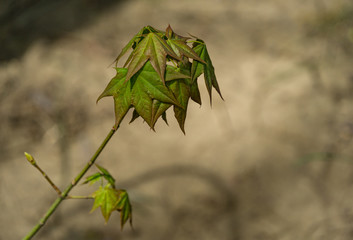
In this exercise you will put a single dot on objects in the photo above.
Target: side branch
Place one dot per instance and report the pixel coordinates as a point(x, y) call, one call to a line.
point(34, 164)
point(65, 193)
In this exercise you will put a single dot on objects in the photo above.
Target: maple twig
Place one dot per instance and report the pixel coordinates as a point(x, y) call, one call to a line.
point(34, 164)
point(65, 193)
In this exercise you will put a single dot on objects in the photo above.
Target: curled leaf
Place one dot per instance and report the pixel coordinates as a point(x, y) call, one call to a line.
point(93, 178)
point(124, 207)
point(106, 175)
point(198, 68)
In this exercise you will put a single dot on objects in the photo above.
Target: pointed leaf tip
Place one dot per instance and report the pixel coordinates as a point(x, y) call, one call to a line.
point(169, 32)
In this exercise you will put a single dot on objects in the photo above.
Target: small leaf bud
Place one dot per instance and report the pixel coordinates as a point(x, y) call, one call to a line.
point(30, 158)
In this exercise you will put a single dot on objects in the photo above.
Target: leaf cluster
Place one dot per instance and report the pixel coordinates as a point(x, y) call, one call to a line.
point(110, 199)
point(160, 72)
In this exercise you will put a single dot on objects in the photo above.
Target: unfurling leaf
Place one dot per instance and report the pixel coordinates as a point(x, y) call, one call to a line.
point(124, 207)
point(106, 175)
point(93, 178)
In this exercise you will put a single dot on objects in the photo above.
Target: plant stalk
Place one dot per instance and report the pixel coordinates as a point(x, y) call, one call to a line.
point(65, 193)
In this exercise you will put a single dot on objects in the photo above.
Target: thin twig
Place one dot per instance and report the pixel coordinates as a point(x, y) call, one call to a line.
point(34, 164)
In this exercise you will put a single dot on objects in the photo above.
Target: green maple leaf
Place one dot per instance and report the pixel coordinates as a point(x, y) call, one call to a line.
point(109, 200)
point(106, 198)
point(152, 48)
point(123, 205)
point(198, 68)
point(141, 91)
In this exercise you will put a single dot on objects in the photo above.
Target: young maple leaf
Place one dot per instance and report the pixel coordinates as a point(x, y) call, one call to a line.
point(106, 198)
point(110, 199)
point(141, 91)
point(123, 205)
point(152, 48)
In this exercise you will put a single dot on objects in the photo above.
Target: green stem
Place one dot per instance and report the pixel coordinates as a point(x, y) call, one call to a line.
point(65, 193)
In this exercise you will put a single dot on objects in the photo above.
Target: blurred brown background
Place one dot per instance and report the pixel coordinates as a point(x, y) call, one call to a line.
point(274, 161)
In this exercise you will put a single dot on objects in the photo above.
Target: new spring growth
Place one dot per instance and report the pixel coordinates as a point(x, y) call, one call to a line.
point(30, 158)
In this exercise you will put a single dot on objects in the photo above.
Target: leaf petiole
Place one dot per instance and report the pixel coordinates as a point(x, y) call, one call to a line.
point(79, 197)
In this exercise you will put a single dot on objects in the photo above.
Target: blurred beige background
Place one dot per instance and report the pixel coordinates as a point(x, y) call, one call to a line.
point(273, 161)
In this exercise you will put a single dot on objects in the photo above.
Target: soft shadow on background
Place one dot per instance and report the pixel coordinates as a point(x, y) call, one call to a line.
point(273, 161)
